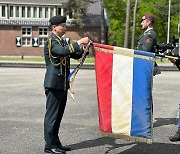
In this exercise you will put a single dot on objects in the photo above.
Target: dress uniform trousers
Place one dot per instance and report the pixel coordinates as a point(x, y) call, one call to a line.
point(55, 106)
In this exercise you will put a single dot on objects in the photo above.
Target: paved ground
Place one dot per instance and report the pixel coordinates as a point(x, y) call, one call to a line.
point(22, 107)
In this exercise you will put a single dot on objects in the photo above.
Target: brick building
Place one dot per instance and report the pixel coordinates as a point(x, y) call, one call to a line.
point(24, 25)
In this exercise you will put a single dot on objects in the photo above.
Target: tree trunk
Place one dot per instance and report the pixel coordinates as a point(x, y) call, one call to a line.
point(102, 23)
point(134, 24)
point(126, 38)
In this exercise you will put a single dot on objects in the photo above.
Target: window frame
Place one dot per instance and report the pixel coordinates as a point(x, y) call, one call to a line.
point(42, 37)
point(27, 38)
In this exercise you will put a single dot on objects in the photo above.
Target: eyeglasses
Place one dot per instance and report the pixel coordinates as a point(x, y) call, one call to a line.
point(143, 19)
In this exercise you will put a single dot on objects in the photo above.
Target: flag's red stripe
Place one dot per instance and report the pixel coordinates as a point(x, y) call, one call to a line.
point(104, 89)
point(103, 46)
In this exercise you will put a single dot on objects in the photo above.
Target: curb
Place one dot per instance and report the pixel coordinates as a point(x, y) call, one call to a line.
point(73, 65)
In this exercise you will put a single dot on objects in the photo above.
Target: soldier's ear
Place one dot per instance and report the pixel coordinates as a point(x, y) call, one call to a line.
point(149, 22)
point(53, 26)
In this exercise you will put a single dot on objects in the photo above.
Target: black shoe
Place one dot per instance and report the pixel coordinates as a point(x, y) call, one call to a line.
point(54, 150)
point(65, 148)
point(175, 138)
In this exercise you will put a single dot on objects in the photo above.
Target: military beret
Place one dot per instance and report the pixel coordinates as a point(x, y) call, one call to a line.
point(56, 20)
point(150, 17)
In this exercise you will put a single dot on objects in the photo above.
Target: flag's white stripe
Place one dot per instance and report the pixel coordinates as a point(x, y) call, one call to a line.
point(122, 79)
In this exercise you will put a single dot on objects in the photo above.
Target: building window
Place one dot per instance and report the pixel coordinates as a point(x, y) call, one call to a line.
point(42, 41)
point(46, 12)
point(27, 31)
point(11, 11)
point(43, 31)
point(43, 35)
point(26, 36)
point(34, 12)
point(28, 11)
point(17, 11)
point(51, 12)
point(23, 11)
point(40, 12)
point(26, 41)
point(59, 11)
point(3, 11)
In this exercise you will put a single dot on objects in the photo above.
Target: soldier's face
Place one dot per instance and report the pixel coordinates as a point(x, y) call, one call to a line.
point(60, 29)
point(144, 22)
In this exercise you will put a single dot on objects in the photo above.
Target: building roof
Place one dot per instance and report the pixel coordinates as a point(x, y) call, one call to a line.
point(94, 8)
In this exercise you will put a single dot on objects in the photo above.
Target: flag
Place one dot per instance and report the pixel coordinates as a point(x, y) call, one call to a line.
point(124, 88)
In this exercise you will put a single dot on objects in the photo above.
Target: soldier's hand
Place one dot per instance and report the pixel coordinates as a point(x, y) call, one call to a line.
point(84, 40)
point(172, 60)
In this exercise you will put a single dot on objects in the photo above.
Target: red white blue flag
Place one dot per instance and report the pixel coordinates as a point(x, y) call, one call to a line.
point(124, 87)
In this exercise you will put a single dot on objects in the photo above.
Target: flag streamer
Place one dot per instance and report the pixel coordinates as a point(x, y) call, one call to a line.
point(72, 75)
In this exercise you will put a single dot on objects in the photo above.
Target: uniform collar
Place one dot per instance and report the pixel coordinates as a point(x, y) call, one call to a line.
point(57, 36)
point(148, 30)
point(145, 33)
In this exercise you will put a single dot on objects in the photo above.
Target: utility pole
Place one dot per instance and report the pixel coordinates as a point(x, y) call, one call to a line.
point(169, 14)
point(134, 24)
point(126, 38)
point(102, 23)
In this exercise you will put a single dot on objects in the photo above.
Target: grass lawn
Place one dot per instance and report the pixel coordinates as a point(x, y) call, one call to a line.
point(37, 59)
point(19, 58)
point(41, 59)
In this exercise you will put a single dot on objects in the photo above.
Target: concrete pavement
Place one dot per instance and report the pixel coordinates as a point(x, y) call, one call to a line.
point(22, 108)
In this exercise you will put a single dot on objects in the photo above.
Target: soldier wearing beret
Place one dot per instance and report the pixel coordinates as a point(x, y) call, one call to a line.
point(57, 54)
point(148, 40)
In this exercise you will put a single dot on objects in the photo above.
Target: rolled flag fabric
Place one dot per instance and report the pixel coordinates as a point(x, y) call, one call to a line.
point(124, 88)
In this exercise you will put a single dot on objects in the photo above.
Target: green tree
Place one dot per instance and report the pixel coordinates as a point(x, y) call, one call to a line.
point(159, 9)
point(116, 11)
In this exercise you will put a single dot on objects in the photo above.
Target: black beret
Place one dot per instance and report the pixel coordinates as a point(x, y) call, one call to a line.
point(56, 20)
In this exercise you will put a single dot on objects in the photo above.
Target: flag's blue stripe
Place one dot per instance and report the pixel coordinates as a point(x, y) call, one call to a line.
point(142, 53)
point(142, 98)
point(71, 74)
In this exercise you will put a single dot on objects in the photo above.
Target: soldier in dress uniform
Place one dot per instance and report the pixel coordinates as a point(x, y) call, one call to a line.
point(57, 54)
point(148, 40)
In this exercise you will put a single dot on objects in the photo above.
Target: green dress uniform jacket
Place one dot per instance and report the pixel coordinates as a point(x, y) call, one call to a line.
point(57, 54)
point(147, 42)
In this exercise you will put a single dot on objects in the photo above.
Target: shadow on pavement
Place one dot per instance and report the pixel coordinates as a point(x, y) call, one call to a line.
point(155, 148)
point(164, 121)
point(98, 142)
point(137, 148)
